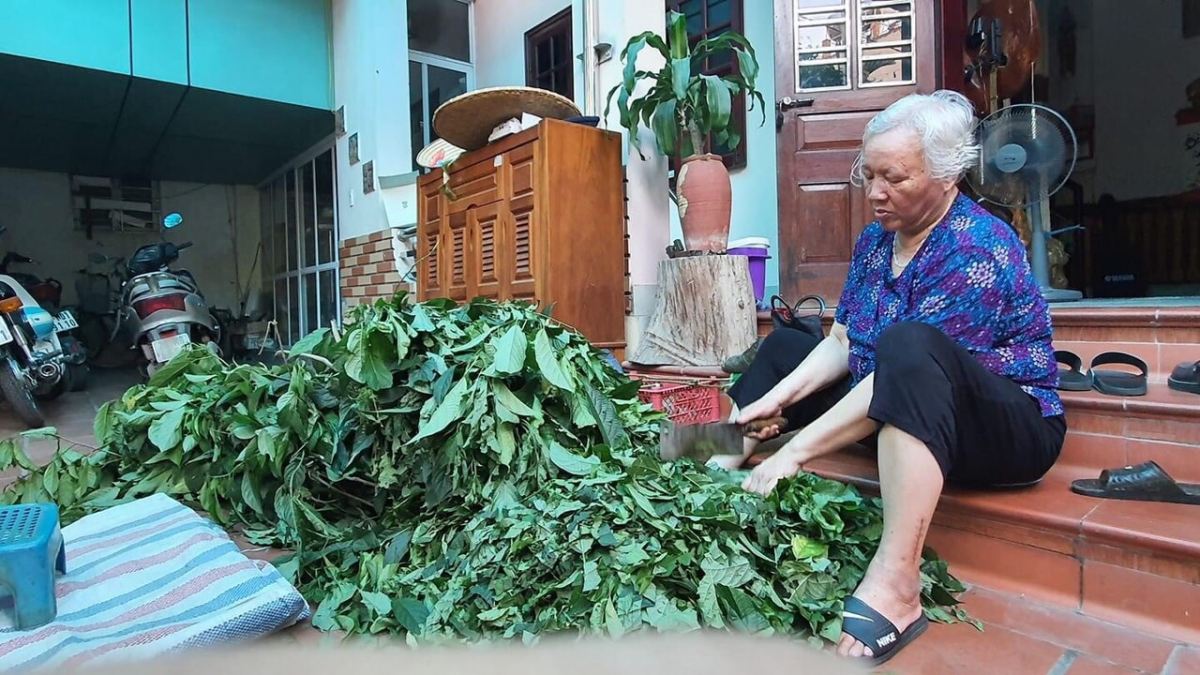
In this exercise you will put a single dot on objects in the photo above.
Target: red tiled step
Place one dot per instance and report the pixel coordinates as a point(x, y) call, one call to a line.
point(1111, 431)
point(1133, 563)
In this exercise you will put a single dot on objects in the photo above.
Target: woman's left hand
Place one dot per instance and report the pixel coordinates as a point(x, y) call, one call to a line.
point(783, 464)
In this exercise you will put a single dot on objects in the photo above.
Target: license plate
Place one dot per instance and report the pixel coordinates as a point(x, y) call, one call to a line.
point(5, 336)
point(65, 322)
point(168, 348)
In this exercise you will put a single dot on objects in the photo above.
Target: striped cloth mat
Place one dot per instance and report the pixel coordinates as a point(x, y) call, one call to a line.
point(150, 577)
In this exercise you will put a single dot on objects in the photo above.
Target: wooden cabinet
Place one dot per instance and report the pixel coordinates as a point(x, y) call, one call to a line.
point(536, 216)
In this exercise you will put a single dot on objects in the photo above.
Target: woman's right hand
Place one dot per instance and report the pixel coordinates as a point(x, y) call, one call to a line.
point(764, 408)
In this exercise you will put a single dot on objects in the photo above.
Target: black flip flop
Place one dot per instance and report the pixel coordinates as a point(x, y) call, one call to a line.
point(861, 622)
point(1185, 377)
point(1145, 482)
point(1117, 382)
point(1072, 378)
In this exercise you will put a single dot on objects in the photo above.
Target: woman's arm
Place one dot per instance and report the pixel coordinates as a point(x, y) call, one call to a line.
point(843, 424)
point(826, 364)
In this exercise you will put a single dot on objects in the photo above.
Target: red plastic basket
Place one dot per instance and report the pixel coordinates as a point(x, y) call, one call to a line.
point(684, 401)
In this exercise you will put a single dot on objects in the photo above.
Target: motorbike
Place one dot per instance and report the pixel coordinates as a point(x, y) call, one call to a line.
point(48, 295)
point(32, 364)
point(162, 308)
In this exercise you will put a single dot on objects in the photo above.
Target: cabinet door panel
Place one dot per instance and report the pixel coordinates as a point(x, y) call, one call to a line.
point(486, 236)
point(457, 256)
point(520, 249)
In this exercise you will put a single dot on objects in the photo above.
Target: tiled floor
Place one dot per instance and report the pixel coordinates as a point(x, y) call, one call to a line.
point(1020, 636)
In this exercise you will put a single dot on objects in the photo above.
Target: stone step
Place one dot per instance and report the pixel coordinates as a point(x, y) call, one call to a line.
point(1132, 563)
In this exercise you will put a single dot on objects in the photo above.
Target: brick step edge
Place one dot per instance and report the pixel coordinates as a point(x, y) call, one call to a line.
point(1035, 516)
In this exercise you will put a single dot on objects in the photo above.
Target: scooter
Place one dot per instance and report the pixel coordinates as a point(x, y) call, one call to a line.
point(32, 365)
point(162, 308)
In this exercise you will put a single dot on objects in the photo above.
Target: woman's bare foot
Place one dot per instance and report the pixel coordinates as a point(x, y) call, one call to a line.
point(894, 594)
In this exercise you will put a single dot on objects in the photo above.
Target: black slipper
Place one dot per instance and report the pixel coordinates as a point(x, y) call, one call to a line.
point(1072, 378)
point(1185, 377)
point(861, 622)
point(1117, 382)
point(1145, 482)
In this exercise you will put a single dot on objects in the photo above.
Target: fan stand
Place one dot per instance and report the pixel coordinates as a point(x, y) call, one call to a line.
point(1039, 258)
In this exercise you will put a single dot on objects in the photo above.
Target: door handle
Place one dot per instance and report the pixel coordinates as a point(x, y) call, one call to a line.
point(788, 103)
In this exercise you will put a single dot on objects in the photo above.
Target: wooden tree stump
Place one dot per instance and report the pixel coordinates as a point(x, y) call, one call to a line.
point(704, 312)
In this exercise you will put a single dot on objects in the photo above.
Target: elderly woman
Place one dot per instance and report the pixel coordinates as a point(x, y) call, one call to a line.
point(940, 355)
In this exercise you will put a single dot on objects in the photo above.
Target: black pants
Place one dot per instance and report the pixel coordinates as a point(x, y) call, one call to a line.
point(982, 428)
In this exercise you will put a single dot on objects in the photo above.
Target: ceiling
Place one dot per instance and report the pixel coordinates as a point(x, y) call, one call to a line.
point(55, 117)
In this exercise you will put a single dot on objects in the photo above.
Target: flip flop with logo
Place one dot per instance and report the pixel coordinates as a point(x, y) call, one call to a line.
point(1072, 378)
point(861, 622)
point(1119, 382)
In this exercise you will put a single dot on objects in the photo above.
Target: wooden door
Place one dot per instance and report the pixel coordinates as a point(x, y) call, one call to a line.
point(837, 63)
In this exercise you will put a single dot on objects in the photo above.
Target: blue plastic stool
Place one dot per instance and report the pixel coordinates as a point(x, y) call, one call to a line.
point(31, 550)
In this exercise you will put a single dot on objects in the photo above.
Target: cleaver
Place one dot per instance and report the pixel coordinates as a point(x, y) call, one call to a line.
point(702, 441)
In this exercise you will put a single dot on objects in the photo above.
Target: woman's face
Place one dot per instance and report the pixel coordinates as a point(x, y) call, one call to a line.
point(903, 196)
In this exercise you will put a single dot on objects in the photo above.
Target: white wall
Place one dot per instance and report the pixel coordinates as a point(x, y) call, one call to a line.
point(370, 79)
point(35, 206)
point(755, 191)
point(500, 27)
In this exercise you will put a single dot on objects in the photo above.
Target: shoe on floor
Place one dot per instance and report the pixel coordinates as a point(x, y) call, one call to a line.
point(741, 362)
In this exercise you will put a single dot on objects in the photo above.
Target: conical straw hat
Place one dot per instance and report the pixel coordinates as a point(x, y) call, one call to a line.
point(467, 120)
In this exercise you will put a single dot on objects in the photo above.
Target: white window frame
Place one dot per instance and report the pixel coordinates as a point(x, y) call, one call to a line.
point(301, 271)
point(853, 25)
point(426, 59)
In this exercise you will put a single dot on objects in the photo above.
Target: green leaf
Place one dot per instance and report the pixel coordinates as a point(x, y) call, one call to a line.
point(309, 343)
point(681, 76)
point(450, 411)
point(398, 548)
point(166, 432)
point(572, 463)
point(510, 351)
point(412, 614)
point(720, 104)
point(378, 602)
point(605, 413)
point(548, 363)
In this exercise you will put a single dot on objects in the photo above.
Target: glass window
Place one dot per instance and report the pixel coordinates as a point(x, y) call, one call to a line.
point(301, 236)
point(549, 56)
point(440, 27)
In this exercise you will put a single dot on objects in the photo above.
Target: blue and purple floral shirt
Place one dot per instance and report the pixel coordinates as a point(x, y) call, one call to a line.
point(972, 280)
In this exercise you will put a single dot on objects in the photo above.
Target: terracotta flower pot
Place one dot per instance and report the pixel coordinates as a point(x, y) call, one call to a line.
point(705, 199)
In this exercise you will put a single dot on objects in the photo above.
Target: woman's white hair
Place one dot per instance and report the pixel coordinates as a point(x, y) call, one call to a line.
point(944, 123)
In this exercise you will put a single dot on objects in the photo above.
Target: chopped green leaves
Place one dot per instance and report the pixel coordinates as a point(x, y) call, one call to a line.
point(473, 472)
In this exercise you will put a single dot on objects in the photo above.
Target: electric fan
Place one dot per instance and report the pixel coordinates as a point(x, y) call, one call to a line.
point(1027, 153)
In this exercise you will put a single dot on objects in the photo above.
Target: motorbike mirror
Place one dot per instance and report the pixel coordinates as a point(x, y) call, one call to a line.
point(172, 220)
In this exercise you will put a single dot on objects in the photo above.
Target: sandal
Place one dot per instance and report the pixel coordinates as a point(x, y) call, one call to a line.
point(1117, 382)
point(1072, 378)
point(1145, 482)
point(1185, 377)
point(861, 622)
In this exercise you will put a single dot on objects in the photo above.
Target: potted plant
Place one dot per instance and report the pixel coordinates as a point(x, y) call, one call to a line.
point(683, 107)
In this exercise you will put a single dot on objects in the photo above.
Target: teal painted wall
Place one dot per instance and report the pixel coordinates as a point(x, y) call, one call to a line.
point(160, 47)
point(88, 33)
point(273, 49)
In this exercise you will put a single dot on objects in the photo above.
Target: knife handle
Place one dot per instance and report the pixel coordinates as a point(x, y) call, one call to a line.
point(759, 425)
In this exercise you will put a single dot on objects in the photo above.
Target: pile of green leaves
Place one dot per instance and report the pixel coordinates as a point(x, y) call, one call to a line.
point(471, 472)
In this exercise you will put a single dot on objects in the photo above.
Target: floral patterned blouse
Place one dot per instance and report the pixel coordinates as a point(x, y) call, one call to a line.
point(972, 280)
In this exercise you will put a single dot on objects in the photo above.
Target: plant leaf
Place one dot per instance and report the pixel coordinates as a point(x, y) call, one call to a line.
point(548, 363)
